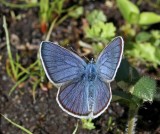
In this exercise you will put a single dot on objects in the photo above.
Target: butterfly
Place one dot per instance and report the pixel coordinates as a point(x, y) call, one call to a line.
point(83, 89)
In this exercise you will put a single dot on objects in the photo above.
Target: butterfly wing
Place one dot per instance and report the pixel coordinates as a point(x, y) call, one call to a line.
point(82, 99)
point(60, 64)
point(109, 59)
point(103, 97)
point(72, 98)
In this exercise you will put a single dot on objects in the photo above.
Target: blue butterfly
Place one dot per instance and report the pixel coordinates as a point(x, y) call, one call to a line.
point(83, 89)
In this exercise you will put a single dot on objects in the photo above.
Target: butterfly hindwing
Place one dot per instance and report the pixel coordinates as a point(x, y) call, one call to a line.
point(109, 59)
point(72, 98)
point(60, 64)
point(76, 98)
point(102, 97)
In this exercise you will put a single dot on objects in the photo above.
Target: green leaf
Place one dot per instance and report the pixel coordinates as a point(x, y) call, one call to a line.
point(148, 18)
point(57, 6)
point(145, 52)
point(128, 29)
point(97, 48)
point(87, 124)
point(126, 74)
point(77, 12)
point(145, 89)
point(157, 54)
point(96, 16)
point(117, 95)
point(156, 34)
point(100, 31)
point(44, 10)
point(110, 28)
point(143, 37)
point(129, 11)
point(157, 95)
point(123, 71)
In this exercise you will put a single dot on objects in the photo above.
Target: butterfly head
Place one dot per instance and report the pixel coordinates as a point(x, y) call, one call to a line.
point(92, 61)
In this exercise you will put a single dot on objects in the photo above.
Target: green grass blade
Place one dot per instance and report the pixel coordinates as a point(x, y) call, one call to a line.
point(8, 48)
point(20, 81)
point(16, 125)
point(16, 67)
point(21, 6)
point(36, 83)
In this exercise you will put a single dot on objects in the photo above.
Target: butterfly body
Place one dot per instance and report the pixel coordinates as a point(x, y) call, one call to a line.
point(90, 72)
point(83, 89)
point(90, 77)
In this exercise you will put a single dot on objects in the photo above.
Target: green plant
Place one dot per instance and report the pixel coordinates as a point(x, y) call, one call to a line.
point(98, 14)
point(87, 124)
point(136, 90)
point(98, 31)
point(49, 11)
point(128, 30)
point(148, 18)
point(75, 12)
point(144, 90)
point(129, 10)
point(14, 68)
point(145, 48)
point(78, 11)
point(17, 72)
point(132, 14)
point(46, 10)
point(110, 124)
point(52, 11)
point(27, 4)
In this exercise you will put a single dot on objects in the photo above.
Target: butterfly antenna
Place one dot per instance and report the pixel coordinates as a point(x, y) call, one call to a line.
point(73, 50)
point(79, 54)
point(86, 58)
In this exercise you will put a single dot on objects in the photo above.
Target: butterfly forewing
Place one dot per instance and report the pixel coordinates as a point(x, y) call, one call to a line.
point(109, 59)
point(60, 64)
